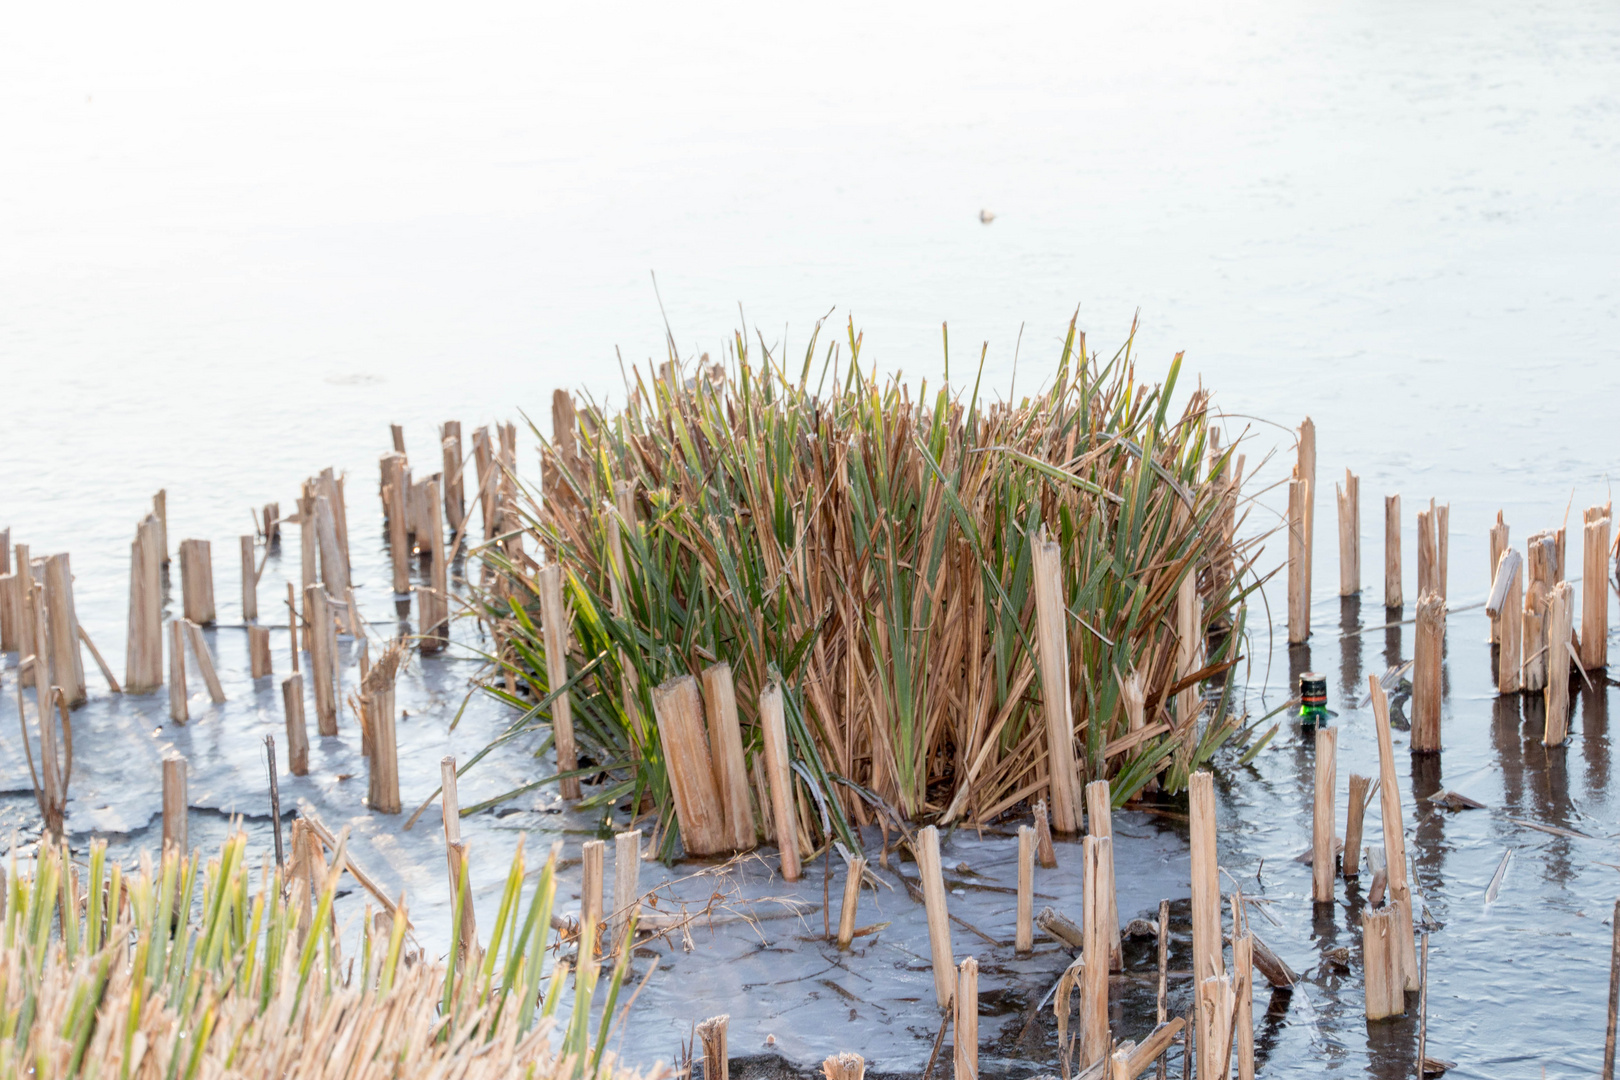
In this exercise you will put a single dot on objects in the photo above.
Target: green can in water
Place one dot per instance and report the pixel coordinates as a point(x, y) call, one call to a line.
point(1313, 708)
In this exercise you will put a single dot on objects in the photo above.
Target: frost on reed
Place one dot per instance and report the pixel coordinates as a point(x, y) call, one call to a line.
point(183, 972)
point(874, 550)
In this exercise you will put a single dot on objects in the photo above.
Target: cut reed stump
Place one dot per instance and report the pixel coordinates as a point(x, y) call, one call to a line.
point(1393, 597)
point(1400, 896)
point(1442, 529)
point(175, 806)
point(1299, 587)
point(250, 580)
point(1355, 816)
point(784, 814)
point(854, 871)
point(1243, 993)
point(726, 748)
point(1323, 841)
point(592, 872)
point(1100, 819)
point(965, 1026)
point(160, 510)
point(177, 672)
point(679, 711)
point(395, 486)
point(1596, 527)
point(377, 694)
point(844, 1067)
point(1614, 996)
point(1099, 888)
point(1380, 951)
point(1208, 962)
point(939, 920)
point(626, 883)
point(1498, 544)
point(455, 503)
point(1053, 639)
point(259, 651)
point(554, 625)
point(1024, 939)
point(433, 602)
point(292, 704)
point(197, 581)
point(1560, 627)
point(1505, 605)
point(8, 606)
point(321, 638)
point(1427, 651)
point(1045, 850)
point(23, 589)
point(1349, 497)
point(67, 662)
point(712, 1034)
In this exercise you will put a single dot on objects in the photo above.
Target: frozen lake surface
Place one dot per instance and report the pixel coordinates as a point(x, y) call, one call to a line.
point(236, 245)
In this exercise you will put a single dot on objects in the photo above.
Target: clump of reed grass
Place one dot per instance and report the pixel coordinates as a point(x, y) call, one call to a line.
point(187, 972)
point(871, 549)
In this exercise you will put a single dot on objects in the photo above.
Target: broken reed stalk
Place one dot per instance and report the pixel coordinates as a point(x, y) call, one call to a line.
point(1506, 606)
point(292, 625)
point(1053, 636)
point(1393, 597)
point(175, 805)
point(1614, 996)
point(1428, 649)
point(250, 580)
point(292, 704)
point(396, 481)
point(455, 853)
point(1540, 556)
point(1355, 815)
point(1349, 498)
point(1208, 962)
point(106, 670)
point(679, 711)
point(932, 880)
point(592, 872)
point(23, 590)
point(554, 623)
point(1024, 937)
point(1100, 822)
point(1214, 1038)
point(205, 662)
point(1098, 886)
point(626, 883)
point(321, 640)
point(67, 662)
point(197, 581)
point(712, 1034)
point(1189, 650)
point(1400, 896)
point(1560, 627)
point(965, 1028)
point(1323, 865)
point(1442, 529)
point(1498, 544)
point(854, 871)
point(1305, 470)
point(1428, 555)
point(784, 814)
point(1299, 592)
point(178, 711)
point(259, 651)
point(377, 694)
point(1596, 527)
point(397, 431)
point(726, 749)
